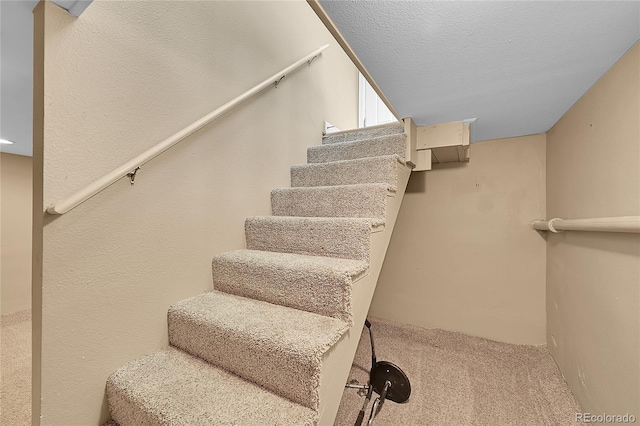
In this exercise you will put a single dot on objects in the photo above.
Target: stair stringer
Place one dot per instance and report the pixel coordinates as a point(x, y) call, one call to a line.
point(337, 361)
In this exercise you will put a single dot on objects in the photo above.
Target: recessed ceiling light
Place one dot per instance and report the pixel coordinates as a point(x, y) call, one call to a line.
point(5, 142)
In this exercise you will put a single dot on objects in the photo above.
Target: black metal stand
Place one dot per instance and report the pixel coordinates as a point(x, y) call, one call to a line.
point(385, 379)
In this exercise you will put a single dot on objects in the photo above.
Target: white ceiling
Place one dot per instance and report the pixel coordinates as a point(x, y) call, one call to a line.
point(16, 75)
point(16, 70)
point(517, 66)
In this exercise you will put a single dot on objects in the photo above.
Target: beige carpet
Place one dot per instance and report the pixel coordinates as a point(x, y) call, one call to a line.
point(348, 172)
point(15, 366)
point(287, 278)
point(174, 388)
point(364, 200)
point(460, 380)
point(275, 346)
point(264, 355)
point(369, 132)
point(371, 147)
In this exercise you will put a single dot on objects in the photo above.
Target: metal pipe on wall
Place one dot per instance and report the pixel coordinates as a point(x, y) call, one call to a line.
point(630, 224)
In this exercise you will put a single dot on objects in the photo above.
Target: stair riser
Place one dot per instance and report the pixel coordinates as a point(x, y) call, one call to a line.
point(171, 387)
point(331, 292)
point(386, 145)
point(375, 170)
point(127, 412)
point(369, 202)
point(362, 134)
point(272, 370)
point(339, 239)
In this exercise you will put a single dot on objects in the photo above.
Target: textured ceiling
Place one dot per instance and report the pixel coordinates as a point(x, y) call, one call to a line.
point(16, 75)
point(515, 66)
point(16, 70)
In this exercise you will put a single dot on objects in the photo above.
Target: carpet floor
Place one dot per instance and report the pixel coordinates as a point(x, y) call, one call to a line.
point(459, 380)
point(15, 369)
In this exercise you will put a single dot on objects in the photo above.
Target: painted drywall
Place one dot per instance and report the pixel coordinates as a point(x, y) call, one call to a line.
point(593, 278)
point(15, 232)
point(119, 79)
point(463, 256)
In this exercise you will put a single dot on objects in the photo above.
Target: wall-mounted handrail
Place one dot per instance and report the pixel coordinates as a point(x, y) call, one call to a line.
point(601, 224)
point(131, 166)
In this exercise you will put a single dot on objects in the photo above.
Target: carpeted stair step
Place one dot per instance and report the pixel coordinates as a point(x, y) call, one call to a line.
point(348, 172)
point(361, 200)
point(347, 238)
point(311, 283)
point(363, 133)
point(277, 347)
point(375, 147)
point(174, 388)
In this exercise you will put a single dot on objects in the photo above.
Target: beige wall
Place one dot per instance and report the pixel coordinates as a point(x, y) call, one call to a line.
point(118, 80)
point(463, 255)
point(593, 279)
point(15, 232)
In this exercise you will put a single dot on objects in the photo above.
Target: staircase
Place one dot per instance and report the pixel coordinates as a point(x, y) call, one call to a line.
point(273, 343)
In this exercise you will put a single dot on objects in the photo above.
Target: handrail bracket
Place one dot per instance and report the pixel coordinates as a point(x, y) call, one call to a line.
point(132, 175)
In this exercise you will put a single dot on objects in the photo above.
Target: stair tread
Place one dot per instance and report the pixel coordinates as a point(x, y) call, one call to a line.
point(366, 200)
point(274, 346)
point(381, 169)
point(386, 186)
point(328, 220)
point(311, 283)
point(275, 326)
point(347, 238)
point(362, 148)
point(173, 387)
point(293, 261)
point(357, 161)
point(363, 133)
point(365, 142)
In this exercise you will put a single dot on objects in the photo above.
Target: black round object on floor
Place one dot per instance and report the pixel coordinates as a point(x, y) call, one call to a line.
point(400, 388)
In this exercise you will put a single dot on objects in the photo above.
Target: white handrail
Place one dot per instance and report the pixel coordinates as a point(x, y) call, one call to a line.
point(602, 224)
point(110, 178)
